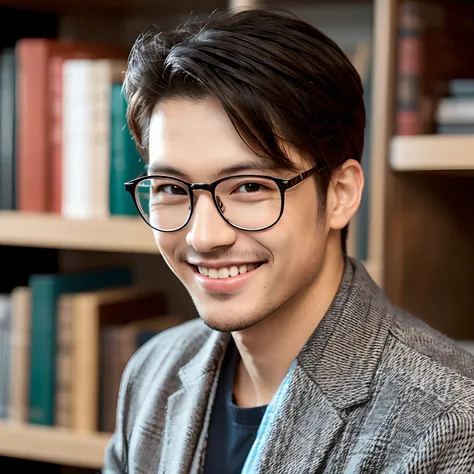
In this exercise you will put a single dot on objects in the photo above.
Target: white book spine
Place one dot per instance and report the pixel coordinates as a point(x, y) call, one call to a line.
point(79, 130)
point(453, 110)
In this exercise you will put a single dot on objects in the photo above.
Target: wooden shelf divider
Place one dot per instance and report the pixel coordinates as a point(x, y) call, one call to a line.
point(117, 234)
point(53, 445)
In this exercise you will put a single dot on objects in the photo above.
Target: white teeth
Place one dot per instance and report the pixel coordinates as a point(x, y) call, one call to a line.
point(203, 271)
point(223, 272)
point(213, 273)
point(233, 271)
point(226, 272)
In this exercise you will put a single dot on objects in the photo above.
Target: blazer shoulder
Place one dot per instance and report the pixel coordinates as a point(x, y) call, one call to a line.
point(154, 367)
point(430, 360)
point(149, 379)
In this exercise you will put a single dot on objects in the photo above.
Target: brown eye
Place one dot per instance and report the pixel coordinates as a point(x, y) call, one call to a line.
point(249, 188)
point(171, 189)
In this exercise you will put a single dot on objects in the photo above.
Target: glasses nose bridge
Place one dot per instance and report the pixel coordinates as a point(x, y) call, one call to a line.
point(210, 188)
point(202, 187)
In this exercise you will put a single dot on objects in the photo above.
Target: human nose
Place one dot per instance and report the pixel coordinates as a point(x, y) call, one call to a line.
point(208, 230)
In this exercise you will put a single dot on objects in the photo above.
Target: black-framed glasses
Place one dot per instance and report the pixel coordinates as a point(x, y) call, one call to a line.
point(246, 202)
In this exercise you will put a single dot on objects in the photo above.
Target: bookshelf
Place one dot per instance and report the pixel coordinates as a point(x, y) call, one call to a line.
point(428, 196)
point(81, 241)
point(116, 234)
point(53, 445)
point(422, 199)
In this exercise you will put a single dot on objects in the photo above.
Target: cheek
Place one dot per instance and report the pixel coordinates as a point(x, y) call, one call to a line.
point(297, 237)
point(298, 240)
point(168, 244)
point(301, 216)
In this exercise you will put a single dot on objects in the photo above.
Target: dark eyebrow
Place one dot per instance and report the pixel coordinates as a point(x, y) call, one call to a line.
point(156, 168)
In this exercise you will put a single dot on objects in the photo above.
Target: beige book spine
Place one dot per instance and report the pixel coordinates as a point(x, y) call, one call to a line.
point(20, 349)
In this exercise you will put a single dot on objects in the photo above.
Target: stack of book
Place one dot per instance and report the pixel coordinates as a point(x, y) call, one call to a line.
point(455, 112)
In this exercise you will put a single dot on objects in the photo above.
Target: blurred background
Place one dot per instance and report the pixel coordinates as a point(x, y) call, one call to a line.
point(78, 265)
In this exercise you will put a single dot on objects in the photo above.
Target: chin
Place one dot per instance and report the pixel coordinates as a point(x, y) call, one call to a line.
point(218, 324)
point(229, 321)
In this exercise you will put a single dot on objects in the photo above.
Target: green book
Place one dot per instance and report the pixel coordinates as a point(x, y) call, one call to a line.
point(7, 129)
point(125, 160)
point(45, 290)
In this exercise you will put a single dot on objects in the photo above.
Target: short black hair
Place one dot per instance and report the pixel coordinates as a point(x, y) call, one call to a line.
point(280, 80)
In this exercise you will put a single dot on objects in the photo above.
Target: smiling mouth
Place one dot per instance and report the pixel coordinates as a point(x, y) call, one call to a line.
point(227, 272)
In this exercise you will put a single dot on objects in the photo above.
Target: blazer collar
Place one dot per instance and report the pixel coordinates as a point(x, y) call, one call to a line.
point(207, 361)
point(334, 371)
point(343, 353)
point(189, 408)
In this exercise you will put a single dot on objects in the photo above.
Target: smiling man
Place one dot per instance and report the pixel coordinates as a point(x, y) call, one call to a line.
point(252, 125)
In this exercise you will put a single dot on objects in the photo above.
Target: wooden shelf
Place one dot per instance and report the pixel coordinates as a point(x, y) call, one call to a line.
point(53, 445)
point(116, 8)
point(127, 8)
point(432, 153)
point(117, 234)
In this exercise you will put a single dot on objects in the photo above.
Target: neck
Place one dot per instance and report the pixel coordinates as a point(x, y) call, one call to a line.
point(268, 349)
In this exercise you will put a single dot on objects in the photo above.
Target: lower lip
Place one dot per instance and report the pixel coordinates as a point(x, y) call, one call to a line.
point(225, 285)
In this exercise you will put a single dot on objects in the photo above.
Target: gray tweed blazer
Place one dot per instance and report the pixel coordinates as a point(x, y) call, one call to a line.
point(375, 390)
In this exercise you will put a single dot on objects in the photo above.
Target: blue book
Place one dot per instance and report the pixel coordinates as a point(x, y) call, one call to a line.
point(45, 290)
point(461, 88)
point(455, 129)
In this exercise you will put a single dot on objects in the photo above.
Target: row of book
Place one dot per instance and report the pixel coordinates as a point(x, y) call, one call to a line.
point(65, 339)
point(434, 64)
point(65, 147)
point(455, 112)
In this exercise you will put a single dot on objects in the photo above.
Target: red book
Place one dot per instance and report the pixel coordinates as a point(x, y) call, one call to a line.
point(39, 109)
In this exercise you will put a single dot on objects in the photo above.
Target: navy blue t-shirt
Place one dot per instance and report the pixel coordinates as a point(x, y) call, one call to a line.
point(232, 430)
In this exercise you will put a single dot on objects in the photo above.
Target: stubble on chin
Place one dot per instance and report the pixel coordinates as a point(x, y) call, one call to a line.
point(225, 322)
point(227, 326)
point(226, 312)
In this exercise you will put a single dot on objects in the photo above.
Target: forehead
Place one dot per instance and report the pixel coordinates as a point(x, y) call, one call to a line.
point(195, 136)
point(198, 139)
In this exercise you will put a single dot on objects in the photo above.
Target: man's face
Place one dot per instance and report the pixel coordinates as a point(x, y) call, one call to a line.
point(275, 266)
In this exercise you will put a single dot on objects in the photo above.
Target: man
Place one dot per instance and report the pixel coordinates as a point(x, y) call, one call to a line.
point(252, 125)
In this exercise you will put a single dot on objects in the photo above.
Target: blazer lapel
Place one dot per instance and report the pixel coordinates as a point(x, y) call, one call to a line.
point(334, 371)
point(304, 432)
point(188, 409)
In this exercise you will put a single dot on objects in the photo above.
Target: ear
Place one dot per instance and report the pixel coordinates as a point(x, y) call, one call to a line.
point(345, 194)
